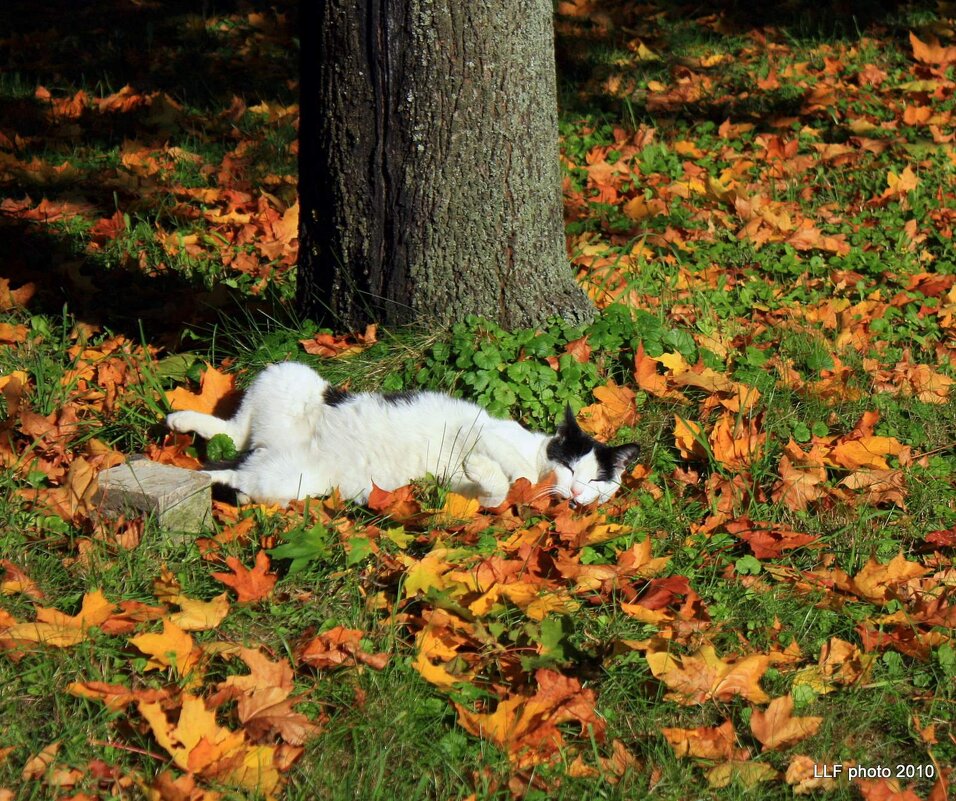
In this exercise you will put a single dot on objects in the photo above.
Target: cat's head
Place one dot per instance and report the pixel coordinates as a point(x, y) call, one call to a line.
point(586, 470)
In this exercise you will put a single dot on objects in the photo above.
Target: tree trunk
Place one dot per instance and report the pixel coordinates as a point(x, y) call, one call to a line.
point(429, 174)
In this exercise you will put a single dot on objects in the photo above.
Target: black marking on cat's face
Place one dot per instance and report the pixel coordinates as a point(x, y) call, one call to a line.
point(570, 444)
point(407, 396)
point(613, 458)
point(335, 396)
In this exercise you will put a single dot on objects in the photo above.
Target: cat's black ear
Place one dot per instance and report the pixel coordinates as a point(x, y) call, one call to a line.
point(625, 454)
point(569, 423)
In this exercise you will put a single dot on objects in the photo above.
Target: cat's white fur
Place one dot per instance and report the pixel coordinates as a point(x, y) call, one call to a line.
point(298, 444)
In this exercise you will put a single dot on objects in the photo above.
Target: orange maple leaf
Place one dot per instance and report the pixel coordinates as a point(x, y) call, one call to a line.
point(881, 486)
point(706, 742)
point(800, 480)
point(10, 333)
point(885, 790)
point(579, 349)
point(399, 504)
point(778, 728)
point(215, 388)
point(648, 379)
point(116, 696)
point(703, 676)
point(339, 646)
point(264, 706)
point(768, 540)
point(876, 582)
point(737, 442)
point(526, 728)
point(615, 408)
point(932, 52)
point(250, 585)
point(14, 580)
point(689, 438)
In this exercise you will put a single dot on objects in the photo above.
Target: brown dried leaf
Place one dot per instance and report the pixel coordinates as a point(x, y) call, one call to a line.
point(778, 728)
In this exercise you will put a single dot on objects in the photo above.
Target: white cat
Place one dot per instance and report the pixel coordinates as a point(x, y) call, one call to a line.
point(303, 437)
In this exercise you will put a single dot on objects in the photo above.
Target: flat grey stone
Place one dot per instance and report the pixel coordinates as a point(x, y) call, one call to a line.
point(180, 499)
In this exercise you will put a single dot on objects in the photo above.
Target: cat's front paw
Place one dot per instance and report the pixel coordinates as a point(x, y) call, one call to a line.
point(492, 501)
point(177, 421)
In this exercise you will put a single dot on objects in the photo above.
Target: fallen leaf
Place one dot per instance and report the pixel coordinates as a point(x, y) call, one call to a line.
point(195, 615)
point(60, 630)
point(777, 727)
point(250, 585)
point(526, 727)
point(706, 742)
point(876, 581)
point(339, 646)
point(14, 580)
point(931, 52)
point(749, 774)
point(703, 676)
point(215, 388)
point(173, 649)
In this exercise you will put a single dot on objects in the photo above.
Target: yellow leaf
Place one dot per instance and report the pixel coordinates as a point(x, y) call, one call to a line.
point(195, 724)
point(37, 766)
point(174, 648)
point(255, 771)
point(749, 774)
point(427, 573)
point(434, 674)
point(60, 630)
point(867, 453)
point(457, 508)
point(703, 676)
point(399, 537)
point(674, 362)
point(196, 615)
point(900, 184)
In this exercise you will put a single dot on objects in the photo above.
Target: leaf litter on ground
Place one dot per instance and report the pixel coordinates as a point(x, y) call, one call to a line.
point(776, 214)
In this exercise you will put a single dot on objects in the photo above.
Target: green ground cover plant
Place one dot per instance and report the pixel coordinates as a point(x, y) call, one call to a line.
point(763, 213)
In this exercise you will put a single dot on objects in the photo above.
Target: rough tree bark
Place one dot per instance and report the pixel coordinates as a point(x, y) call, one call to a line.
point(429, 174)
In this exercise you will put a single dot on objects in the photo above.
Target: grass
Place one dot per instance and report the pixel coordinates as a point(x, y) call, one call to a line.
point(189, 274)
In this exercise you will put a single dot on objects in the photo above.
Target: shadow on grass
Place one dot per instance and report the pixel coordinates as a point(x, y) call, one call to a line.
point(201, 54)
point(124, 300)
point(598, 50)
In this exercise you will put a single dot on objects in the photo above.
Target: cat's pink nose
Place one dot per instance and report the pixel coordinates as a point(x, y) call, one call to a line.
point(576, 491)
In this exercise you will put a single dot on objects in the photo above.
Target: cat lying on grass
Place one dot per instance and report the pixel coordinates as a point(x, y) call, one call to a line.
point(304, 437)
